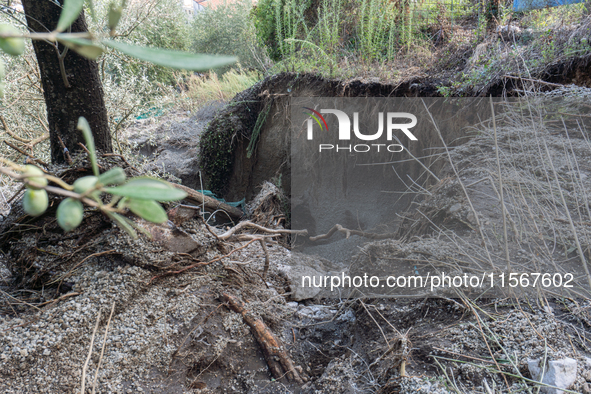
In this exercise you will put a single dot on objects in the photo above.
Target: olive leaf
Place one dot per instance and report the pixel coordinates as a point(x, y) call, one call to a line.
point(115, 12)
point(82, 185)
point(115, 176)
point(122, 222)
point(148, 210)
point(147, 189)
point(173, 59)
point(85, 128)
point(14, 46)
point(70, 12)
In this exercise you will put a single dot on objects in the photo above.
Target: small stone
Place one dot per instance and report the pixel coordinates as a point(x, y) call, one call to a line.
point(548, 309)
point(559, 373)
point(455, 208)
point(46, 352)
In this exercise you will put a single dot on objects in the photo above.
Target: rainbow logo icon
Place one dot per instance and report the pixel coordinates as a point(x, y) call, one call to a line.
point(315, 115)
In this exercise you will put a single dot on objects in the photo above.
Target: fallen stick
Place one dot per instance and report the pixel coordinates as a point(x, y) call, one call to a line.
point(266, 269)
point(102, 349)
point(278, 361)
point(209, 202)
point(38, 161)
point(11, 133)
point(36, 141)
point(348, 233)
point(85, 367)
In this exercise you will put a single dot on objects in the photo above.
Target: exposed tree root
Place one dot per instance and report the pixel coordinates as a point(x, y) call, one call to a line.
point(210, 203)
point(228, 234)
point(348, 233)
point(201, 263)
point(277, 358)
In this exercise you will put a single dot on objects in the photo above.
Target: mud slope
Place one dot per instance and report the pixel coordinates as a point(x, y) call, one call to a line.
point(264, 108)
point(258, 120)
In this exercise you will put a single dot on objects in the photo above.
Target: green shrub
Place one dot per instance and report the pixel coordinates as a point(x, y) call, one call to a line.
point(378, 30)
point(278, 20)
point(293, 29)
point(229, 30)
point(329, 26)
point(263, 15)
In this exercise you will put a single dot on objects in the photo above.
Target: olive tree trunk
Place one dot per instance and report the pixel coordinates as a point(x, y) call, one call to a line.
point(71, 84)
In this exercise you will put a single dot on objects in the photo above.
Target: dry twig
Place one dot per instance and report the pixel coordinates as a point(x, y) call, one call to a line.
point(102, 349)
point(84, 368)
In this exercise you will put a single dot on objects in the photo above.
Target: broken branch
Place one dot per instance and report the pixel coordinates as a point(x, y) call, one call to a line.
point(266, 269)
point(277, 358)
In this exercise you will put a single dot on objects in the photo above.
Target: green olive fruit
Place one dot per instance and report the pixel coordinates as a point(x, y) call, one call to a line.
point(35, 202)
point(34, 174)
point(14, 46)
point(69, 214)
point(85, 183)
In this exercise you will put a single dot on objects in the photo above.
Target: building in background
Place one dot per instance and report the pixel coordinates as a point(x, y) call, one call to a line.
point(191, 7)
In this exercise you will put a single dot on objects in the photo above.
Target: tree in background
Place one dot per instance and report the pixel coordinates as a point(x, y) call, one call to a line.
point(73, 91)
point(71, 84)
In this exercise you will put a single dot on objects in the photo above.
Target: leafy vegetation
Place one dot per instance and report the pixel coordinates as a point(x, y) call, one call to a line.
point(336, 38)
point(198, 90)
point(140, 195)
point(381, 38)
point(229, 30)
point(154, 23)
point(132, 86)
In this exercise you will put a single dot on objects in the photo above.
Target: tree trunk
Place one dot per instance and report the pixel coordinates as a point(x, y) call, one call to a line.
point(76, 92)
